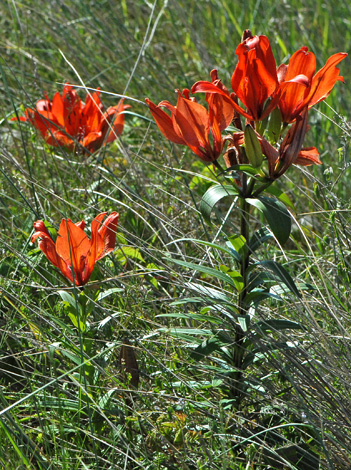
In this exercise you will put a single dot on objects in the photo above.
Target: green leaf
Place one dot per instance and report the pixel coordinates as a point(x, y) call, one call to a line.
point(128, 252)
point(244, 322)
point(276, 214)
point(284, 198)
point(66, 297)
point(81, 326)
point(235, 279)
point(238, 247)
point(213, 195)
point(281, 273)
point(108, 292)
point(277, 325)
point(256, 296)
point(208, 346)
point(208, 293)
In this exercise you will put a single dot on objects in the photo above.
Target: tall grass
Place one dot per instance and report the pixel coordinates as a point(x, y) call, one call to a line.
point(67, 396)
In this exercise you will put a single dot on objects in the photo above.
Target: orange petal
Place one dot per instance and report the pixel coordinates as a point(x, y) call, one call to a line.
point(107, 233)
point(220, 109)
point(20, 118)
point(59, 138)
point(308, 156)
point(73, 245)
point(58, 109)
point(46, 244)
point(116, 113)
point(292, 142)
point(92, 141)
point(92, 113)
point(296, 85)
point(325, 79)
point(208, 87)
point(164, 123)
point(301, 62)
point(271, 154)
point(72, 109)
point(96, 246)
point(193, 121)
point(255, 77)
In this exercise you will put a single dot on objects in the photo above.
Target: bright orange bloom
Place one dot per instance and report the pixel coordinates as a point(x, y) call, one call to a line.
point(66, 121)
point(300, 88)
point(254, 79)
point(190, 123)
point(73, 253)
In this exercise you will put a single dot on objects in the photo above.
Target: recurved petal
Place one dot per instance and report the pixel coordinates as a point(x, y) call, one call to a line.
point(116, 113)
point(46, 243)
point(39, 226)
point(325, 79)
point(107, 232)
point(308, 156)
point(208, 87)
point(164, 123)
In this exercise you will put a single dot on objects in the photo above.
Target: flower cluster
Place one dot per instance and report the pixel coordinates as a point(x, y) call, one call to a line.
point(73, 253)
point(66, 121)
point(261, 92)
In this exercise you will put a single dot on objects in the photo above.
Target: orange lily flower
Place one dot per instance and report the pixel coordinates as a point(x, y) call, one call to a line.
point(73, 253)
point(299, 87)
point(190, 123)
point(254, 79)
point(66, 121)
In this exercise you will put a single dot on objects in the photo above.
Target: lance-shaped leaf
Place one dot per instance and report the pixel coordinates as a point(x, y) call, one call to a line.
point(213, 195)
point(276, 214)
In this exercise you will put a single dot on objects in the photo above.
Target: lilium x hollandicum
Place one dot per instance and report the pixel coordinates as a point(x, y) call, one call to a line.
point(299, 87)
point(66, 121)
point(191, 124)
point(254, 79)
point(73, 253)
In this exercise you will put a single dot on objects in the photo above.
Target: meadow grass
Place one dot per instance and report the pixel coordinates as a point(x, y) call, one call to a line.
point(68, 398)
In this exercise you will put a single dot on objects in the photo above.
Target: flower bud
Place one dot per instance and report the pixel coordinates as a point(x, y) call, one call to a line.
point(252, 147)
point(274, 127)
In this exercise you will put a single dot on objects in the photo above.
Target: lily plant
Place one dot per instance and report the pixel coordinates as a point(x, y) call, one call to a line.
point(268, 114)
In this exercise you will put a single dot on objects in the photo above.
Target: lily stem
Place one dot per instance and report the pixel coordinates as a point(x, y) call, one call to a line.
point(244, 264)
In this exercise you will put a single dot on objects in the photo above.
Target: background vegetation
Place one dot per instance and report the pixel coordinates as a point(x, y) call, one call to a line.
point(143, 398)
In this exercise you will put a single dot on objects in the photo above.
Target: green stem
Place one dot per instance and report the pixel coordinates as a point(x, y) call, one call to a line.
point(244, 264)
